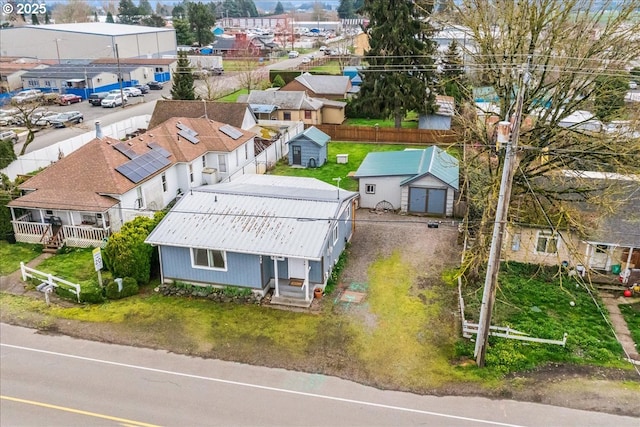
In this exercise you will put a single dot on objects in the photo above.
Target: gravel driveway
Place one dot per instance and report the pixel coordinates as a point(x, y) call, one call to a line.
point(378, 235)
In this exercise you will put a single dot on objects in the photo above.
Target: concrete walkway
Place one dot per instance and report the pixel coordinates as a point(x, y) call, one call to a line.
point(620, 325)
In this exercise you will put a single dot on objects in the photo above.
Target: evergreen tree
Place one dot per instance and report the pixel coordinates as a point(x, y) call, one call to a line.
point(34, 19)
point(183, 79)
point(240, 8)
point(179, 12)
point(109, 18)
point(346, 9)
point(201, 20)
point(358, 5)
point(453, 81)
point(609, 94)
point(184, 36)
point(144, 8)
point(279, 9)
point(401, 74)
point(128, 13)
point(153, 21)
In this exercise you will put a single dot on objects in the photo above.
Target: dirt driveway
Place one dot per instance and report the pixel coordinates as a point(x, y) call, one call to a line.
point(378, 235)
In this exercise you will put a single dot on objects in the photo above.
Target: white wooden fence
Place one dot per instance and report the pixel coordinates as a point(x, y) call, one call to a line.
point(469, 329)
point(49, 279)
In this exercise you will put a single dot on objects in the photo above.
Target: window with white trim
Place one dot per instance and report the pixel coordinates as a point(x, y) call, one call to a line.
point(547, 243)
point(370, 188)
point(139, 203)
point(204, 161)
point(335, 234)
point(163, 177)
point(222, 163)
point(208, 258)
point(347, 214)
point(191, 172)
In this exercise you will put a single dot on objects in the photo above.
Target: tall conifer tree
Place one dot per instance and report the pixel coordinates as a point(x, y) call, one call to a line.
point(183, 79)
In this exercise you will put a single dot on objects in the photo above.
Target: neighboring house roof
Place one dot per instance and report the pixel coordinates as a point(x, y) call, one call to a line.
point(446, 105)
point(312, 134)
point(263, 108)
point(284, 100)
point(331, 103)
point(411, 163)
point(255, 214)
point(224, 112)
point(83, 179)
point(324, 84)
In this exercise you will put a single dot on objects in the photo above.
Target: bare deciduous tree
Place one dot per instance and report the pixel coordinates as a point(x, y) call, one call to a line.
point(567, 44)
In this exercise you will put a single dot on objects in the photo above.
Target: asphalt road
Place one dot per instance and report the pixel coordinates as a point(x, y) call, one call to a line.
point(56, 380)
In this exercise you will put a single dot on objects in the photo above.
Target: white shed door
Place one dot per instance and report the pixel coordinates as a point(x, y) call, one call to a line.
point(296, 268)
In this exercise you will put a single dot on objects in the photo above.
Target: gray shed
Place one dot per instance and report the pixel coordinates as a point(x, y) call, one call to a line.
point(309, 149)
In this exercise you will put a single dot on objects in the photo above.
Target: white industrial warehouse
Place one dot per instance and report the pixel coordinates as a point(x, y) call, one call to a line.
point(90, 40)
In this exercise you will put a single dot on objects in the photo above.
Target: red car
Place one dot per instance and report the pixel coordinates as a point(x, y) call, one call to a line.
point(68, 99)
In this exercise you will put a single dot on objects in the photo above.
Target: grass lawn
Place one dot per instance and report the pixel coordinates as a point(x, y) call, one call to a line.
point(331, 169)
point(233, 97)
point(631, 313)
point(76, 265)
point(330, 67)
point(12, 254)
point(409, 122)
point(535, 300)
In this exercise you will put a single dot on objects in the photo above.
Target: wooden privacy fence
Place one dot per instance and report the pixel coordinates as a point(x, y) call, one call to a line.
point(388, 135)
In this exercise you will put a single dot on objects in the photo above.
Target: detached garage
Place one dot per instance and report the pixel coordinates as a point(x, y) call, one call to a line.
point(412, 181)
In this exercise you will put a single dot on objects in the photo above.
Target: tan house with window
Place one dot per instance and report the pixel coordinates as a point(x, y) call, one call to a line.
point(294, 105)
point(320, 86)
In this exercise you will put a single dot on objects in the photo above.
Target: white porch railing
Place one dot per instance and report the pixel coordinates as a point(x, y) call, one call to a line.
point(50, 279)
point(76, 236)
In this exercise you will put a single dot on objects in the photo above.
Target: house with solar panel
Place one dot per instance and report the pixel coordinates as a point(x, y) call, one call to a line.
point(411, 181)
point(87, 195)
point(257, 232)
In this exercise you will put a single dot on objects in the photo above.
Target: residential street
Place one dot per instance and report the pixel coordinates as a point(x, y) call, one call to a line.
point(90, 383)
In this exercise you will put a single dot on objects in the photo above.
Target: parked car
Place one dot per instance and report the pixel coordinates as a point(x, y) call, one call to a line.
point(216, 71)
point(43, 118)
point(68, 99)
point(66, 119)
point(27, 95)
point(306, 60)
point(97, 97)
point(200, 74)
point(9, 120)
point(143, 88)
point(132, 91)
point(9, 135)
point(294, 54)
point(113, 100)
point(154, 85)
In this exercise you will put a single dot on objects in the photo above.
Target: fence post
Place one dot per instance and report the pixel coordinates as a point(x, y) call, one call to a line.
point(22, 270)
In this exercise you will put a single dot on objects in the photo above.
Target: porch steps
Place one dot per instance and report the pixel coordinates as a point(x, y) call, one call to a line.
point(291, 302)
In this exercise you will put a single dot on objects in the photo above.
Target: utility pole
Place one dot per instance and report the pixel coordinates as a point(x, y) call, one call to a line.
point(502, 208)
point(119, 74)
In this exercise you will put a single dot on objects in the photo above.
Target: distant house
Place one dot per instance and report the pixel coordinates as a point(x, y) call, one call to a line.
point(90, 193)
point(611, 243)
point(295, 105)
point(258, 232)
point(309, 149)
point(413, 181)
point(235, 114)
point(320, 86)
point(158, 69)
point(441, 119)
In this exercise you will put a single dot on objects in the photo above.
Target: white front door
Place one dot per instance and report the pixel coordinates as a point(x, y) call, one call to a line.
point(296, 268)
point(599, 257)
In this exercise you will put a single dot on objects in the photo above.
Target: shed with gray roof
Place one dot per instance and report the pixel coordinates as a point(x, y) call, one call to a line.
point(413, 181)
point(309, 149)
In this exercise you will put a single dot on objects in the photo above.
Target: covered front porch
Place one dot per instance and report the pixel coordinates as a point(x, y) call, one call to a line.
point(612, 258)
point(297, 289)
point(56, 228)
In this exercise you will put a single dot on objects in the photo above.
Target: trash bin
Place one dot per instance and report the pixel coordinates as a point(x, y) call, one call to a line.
point(616, 268)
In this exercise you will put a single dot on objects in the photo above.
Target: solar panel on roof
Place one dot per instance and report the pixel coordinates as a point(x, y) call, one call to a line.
point(230, 131)
point(125, 149)
point(186, 129)
point(188, 136)
point(143, 166)
point(159, 149)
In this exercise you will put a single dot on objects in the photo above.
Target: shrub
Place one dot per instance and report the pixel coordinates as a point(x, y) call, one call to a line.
point(278, 81)
point(129, 288)
point(90, 293)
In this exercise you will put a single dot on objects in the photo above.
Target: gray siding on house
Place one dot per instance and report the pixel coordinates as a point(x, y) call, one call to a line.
point(387, 188)
point(333, 250)
point(242, 269)
point(309, 150)
point(428, 181)
point(434, 122)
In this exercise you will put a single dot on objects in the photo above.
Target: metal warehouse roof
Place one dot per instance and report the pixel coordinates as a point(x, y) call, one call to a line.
point(99, 28)
point(411, 163)
point(256, 214)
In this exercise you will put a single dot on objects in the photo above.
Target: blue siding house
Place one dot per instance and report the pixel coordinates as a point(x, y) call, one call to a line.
point(309, 149)
point(259, 232)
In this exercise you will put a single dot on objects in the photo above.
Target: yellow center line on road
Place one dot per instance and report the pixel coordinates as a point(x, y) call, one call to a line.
point(123, 421)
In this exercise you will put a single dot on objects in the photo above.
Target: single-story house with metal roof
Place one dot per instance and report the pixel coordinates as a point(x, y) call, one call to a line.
point(309, 148)
point(257, 232)
point(413, 181)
